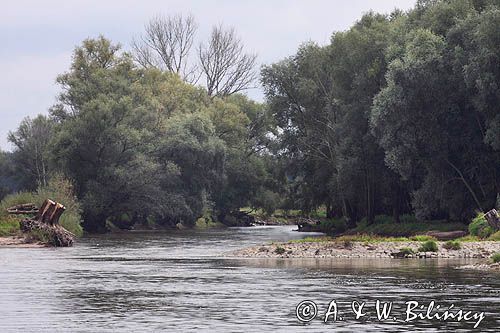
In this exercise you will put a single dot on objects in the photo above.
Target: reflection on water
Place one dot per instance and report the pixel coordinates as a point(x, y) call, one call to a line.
point(150, 281)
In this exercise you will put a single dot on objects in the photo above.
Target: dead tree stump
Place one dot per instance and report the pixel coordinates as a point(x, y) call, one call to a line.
point(493, 219)
point(46, 225)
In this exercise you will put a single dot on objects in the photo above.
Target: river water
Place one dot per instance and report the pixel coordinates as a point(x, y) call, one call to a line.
point(176, 282)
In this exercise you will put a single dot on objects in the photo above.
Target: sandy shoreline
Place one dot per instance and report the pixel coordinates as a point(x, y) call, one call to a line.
point(17, 241)
point(334, 249)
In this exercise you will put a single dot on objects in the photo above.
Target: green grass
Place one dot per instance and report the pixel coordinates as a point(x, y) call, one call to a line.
point(468, 238)
point(365, 238)
point(495, 236)
point(429, 246)
point(384, 226)
point(452, 245)
point(9, 226)
point(495, 258)
point(422, 238)
point(320, 239)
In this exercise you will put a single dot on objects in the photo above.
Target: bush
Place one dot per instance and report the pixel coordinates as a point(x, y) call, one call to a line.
point(429, 246)
point(452, 245)
point(279, 250)
point(407, 219)
point(333, 226)
point(406, 251)
point(495, 236)
point(480, 227)
point(495, 258)
point(60, 189)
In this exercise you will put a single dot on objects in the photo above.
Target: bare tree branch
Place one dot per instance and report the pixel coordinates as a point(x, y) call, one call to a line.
point(225, 65)
point(166, 44)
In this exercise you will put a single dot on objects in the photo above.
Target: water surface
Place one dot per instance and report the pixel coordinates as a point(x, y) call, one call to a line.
point(175, 282)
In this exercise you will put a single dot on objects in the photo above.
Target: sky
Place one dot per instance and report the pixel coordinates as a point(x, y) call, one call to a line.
point(37, 38)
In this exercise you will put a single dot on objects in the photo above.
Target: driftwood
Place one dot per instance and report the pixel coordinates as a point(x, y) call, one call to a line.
point(46, 224)
point(446, 235)
point(308, 225)
point(493, 219)
point(25, 209)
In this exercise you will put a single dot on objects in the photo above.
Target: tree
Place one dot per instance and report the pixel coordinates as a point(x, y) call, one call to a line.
point(425, 122)
point(166, 45)
point(226, 66)
point(31, 150)
point(8, 182)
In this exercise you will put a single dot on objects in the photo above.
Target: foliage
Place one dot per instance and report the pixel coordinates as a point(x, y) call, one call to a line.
point(333, 226)
point(395, 116)
point(31, 150)
point(406, 251)
point(428, 246)
point(452, 245)
point(495, 258)
point(480, 227)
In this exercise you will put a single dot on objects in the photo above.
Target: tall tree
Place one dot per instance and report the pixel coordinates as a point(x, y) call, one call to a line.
point(31, 150)
point(226, 66)
point(166, 44)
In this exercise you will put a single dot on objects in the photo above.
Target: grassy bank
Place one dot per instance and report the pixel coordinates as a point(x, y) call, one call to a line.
point(58, 189)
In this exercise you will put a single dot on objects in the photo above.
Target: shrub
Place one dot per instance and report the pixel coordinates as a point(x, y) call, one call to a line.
point(60, 189)
point(333, 226)
point(279, 250)
point(495, 236)
point(383, 219)
point(429, 246)
point(452, 245)
point(480, 227)
point(495, 258)
point(407, 218)
point(406, 251)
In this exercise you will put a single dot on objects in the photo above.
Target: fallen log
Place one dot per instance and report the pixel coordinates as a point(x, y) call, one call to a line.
point(25, 209)
point(45, 226)
point(446, 235)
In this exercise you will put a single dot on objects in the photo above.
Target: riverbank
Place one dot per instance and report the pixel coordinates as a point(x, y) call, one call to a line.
point(348, 249)
point(19, 241)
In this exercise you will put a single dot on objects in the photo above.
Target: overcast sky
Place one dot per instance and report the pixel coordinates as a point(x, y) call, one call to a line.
point(38, 37)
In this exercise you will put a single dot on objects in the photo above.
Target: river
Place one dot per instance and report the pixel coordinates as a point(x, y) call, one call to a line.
point(175, 282)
